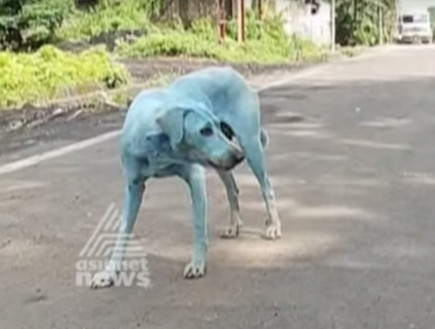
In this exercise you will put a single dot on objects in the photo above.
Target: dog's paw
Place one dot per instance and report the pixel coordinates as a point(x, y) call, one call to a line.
point(273, 231)
point(230, 232)
point(194, 270)
point(103, 279)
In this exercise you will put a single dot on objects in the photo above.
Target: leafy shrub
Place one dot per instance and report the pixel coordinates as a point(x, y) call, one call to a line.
point(108, 16)
point(254, 27)
point(49, 72)
point(191, 45)
point(204, 28)
point(267, 42)
point(30, 23)
point(367, 33)
point(358, 21)
point(173, 43)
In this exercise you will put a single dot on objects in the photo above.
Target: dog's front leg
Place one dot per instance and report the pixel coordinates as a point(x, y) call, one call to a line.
point(194, 175)
point(132, 201)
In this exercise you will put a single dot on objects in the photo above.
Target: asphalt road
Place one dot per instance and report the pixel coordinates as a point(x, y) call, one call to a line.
point(355, 183)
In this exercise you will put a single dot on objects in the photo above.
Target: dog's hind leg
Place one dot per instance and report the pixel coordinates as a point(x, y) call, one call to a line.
point(194, 176)
point(134, 189)
point(227, 178)
point(246, 123)
point(256, 159)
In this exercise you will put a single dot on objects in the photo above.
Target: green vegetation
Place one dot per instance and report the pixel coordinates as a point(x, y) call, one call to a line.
point(432, 18)
point(359, 21)
point(108, 16)
point(28, 24)
point(187, 44)
point(45, 72)
point(50, 73)
point(432, 15)
point(266, 43)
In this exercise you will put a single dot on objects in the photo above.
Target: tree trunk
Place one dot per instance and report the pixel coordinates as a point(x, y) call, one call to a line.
point(183, 12)
point(229, 6)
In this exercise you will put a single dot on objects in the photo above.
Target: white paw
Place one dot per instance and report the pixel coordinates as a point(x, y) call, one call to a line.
point(194, 270)
point(103, 280)
point(273, 231)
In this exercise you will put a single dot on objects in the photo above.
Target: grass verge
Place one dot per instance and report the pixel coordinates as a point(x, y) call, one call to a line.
point(185, 44)
point(50, 73)
point(266, 43)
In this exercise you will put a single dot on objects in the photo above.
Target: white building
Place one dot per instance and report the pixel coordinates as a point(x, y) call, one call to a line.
point(299, 20)
point(411, 5)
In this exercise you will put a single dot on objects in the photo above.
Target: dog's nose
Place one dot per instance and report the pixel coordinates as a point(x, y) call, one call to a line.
point(238, 157)
point(234, 160)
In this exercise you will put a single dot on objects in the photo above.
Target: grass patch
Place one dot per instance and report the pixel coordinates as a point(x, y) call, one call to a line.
point(50, 73)
point(266, 50)
point(267, 42)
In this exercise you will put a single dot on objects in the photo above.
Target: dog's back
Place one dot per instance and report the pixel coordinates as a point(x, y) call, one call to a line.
point(218, 87)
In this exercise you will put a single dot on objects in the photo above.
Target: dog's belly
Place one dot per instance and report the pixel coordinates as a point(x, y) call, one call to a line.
point(163, 171)
point(166, 172)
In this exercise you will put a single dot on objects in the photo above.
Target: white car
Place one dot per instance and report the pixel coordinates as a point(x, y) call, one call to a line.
point(415, 27)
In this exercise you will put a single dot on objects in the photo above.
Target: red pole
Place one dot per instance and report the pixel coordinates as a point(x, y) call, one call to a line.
point(221, 20)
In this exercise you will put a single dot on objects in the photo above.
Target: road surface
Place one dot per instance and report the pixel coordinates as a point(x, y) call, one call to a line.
point(355, 183)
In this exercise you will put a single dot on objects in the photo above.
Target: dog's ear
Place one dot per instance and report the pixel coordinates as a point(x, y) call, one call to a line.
point(171, 121)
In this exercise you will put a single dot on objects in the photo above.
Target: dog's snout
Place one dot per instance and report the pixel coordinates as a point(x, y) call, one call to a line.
point(237, 158)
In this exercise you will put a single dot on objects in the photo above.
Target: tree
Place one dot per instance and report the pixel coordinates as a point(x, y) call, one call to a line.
point(29, 23)
point(432, 15)
point(360, 21)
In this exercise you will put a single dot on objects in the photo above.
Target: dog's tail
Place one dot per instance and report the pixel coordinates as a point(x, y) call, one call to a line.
point(264, 138)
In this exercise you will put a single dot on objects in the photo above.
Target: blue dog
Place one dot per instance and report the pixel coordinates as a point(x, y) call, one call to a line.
point(193, 123)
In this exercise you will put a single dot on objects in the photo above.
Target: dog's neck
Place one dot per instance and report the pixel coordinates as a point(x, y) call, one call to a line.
point(164, 154)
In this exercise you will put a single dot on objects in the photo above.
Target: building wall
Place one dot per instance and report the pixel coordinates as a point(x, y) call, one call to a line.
point(299, 20)
point(411, 5)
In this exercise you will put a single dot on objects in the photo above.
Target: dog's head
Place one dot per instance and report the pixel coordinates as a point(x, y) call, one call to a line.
point(200, 137)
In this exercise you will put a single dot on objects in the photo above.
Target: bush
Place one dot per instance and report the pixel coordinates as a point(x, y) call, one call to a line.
point(267, 42)
point(358, 22)
point(252, 51)
point(254, 27)
point(28, 24)
point(205, 29)
point(49, 73)
point(109, 16)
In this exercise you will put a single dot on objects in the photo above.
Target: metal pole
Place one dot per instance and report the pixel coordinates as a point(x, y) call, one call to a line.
point(333, 25)
point(241, 20)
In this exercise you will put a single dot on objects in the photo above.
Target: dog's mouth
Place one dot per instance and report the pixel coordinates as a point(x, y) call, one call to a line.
point(214, 165)
point(228, 165)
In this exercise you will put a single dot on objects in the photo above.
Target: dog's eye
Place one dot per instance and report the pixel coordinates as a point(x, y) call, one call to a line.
point(207, 131)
